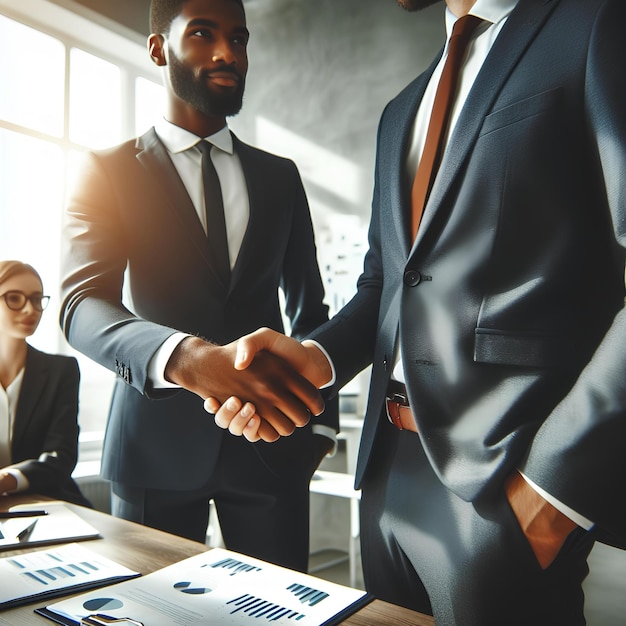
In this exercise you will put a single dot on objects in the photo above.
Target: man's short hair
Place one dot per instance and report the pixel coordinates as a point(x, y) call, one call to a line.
point(163, 12)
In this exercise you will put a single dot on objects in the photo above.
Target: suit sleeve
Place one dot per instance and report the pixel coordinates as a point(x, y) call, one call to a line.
point(578, 453)
point(350, 336)
point(94, 257)
point(302, 284)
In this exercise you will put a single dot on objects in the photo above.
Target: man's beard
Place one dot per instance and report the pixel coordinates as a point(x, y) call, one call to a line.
point(196, 92)
point(416, 5)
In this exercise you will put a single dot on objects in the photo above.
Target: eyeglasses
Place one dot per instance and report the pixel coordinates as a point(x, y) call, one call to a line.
point(16, 300)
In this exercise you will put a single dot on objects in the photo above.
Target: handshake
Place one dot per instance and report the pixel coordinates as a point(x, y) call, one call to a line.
point(262, 386)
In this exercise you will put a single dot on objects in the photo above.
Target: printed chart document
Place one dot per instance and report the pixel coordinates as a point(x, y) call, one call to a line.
point(217, 587)
point(59, 525)
point(44, 574)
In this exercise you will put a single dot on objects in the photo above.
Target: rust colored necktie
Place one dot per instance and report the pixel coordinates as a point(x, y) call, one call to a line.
point(214, 206)
point(439, 118)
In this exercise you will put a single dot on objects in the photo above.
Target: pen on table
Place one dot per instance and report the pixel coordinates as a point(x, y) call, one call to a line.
point(12, 514)
point(25, 534)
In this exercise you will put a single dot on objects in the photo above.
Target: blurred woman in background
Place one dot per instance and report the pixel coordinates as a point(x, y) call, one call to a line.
point(38, 396)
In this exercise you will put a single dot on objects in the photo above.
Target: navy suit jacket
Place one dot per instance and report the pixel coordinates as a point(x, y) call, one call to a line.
point(509, 306)
point(131, 227)
point(44, 446)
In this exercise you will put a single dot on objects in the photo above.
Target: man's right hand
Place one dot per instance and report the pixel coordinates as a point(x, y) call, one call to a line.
point(245, 418)
point(545, 527)
point(283, 397)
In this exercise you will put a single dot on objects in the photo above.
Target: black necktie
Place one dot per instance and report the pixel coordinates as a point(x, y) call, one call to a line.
point(439, 119)
point(214, 206)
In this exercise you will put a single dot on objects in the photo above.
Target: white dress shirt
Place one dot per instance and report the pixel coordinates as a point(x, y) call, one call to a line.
point(181, 146)
point(8, 408)
point(494, 13)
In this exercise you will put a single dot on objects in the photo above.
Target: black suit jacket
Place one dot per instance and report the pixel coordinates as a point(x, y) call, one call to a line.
point(131, 227)
point(509, 307)
point(44, 446)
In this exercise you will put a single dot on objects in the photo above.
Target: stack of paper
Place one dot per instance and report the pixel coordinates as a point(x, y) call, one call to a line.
point(45, 524)
point(216, 587)
point(37, 576)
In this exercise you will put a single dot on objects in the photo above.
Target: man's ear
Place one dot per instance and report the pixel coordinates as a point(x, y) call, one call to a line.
point(156, 48)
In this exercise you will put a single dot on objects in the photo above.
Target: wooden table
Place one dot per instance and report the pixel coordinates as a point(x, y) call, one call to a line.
point(145, 550)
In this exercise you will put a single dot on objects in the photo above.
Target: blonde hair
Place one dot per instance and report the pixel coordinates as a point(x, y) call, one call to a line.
point(8, 269)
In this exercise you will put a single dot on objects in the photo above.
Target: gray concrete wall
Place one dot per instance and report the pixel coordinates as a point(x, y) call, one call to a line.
point(321, 73)
point(324, 70)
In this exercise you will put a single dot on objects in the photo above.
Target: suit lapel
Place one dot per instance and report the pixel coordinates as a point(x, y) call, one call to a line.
point(516, 35)
point(35, 379)
point(398, 135)
point(154, 158)
point(258, 218)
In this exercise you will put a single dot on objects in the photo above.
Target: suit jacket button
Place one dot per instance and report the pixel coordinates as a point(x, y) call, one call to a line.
point(412, 278)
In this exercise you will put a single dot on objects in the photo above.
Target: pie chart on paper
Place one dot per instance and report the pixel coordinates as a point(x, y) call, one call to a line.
point(103, 604)
point(187, 587)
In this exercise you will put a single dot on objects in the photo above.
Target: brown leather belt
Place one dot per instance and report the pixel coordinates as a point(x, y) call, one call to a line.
point(398, 410)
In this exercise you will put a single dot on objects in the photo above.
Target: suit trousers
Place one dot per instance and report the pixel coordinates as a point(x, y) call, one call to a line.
point(262, 513)
point(466, 563)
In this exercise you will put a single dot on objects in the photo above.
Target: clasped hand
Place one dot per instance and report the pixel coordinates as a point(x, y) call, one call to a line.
point(242, 415)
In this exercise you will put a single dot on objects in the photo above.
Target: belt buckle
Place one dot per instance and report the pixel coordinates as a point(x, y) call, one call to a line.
point(395, 400)
point(399, 398)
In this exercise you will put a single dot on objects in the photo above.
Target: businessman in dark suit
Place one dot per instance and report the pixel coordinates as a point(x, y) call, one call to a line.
point(134, 224)
point(497, 334)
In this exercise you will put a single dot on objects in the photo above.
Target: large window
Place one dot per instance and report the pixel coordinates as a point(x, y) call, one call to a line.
point(66, 85)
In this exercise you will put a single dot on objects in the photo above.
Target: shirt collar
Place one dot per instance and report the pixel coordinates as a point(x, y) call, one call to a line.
point(493, 11)
point(15, 386)
point(177, 139)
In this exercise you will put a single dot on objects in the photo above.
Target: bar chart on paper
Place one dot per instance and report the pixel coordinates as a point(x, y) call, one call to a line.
point(255, 607)
point(219, 587)
point(47, 573)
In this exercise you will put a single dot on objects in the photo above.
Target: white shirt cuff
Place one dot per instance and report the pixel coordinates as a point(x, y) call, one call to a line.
point(331, 382)
point(158, 362)
point(577, 518)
